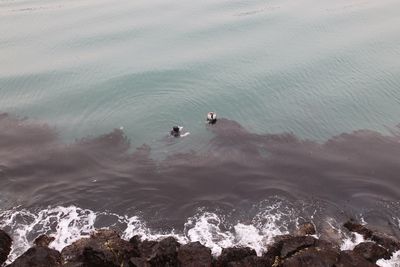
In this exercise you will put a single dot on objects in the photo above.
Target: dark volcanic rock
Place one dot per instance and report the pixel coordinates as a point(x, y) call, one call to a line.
point(234, 256)
point(290, 250)
point(106, 248)
point(358, 228)
point(371, 251)
point(5, 246)
point(323, 244)
point(382, 239)
point(305, 229)
point(103, 248)
point(272, 256)
point(296, 243)
point(312, 257)
point(330, 234)
point(194, 255)
point(137, 262)
point(250, 261)
point(351, 259)
point(164, 253)
point(136, 242)
point(38, 256)
point(386, 241)
point(43, 240)
point(285, 246)
point(146, 248)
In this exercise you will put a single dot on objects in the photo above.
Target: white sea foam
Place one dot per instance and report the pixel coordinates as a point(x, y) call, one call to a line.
point(350, 242)
point(135, 226)
point(249, 236)
point(207, 229)
point(185, 134)
point(211, 230)
point(68, 224)
point(394, 261)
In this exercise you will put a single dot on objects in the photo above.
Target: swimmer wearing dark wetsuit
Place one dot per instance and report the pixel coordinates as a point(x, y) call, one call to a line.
point(175, 132)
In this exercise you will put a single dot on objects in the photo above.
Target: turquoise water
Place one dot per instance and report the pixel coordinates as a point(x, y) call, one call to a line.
point(313, 68)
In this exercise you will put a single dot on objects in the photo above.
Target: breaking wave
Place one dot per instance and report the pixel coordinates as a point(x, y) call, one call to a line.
point(68, 224)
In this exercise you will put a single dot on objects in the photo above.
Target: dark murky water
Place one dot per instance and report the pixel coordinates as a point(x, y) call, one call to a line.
point(350, 175)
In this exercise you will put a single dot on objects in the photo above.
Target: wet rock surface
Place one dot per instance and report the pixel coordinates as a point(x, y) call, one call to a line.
point(386, 241)
point(355, 227)
point(103, 248)
point(371, 251)
point(292, 245)
point(43, 240)
point(164, 253)
point(235, 256)
point(305, 229)
point(312, 257)
point(351, 259)
point(107, 248)
point(39, 255)
point(5, 246)
point(195, 255)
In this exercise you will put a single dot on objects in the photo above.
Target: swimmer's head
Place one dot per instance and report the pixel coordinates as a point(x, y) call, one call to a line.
point(176, 131)
point(212, 117)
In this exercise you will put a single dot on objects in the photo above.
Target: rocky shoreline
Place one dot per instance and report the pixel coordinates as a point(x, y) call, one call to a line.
point(106, 248)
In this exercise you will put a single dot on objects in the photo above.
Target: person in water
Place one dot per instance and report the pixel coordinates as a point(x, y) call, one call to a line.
point(176, 131)
point(212, 117)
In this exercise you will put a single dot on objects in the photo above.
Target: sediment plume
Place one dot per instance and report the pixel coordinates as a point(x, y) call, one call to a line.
point(348, 175)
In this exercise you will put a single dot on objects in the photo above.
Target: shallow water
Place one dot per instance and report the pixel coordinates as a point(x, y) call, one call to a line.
point(296, 80)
